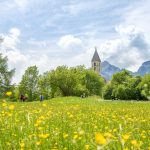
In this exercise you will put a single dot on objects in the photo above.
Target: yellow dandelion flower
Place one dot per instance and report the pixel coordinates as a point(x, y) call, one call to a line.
point(11, 107)
point(36, 125)
point(42, 117)
point(75, 136)
point(38, 143)
point(143, 136)
point(114, 130)
point(38, 121)
point(95, 127)
point(9, 93)
point(44, 136)
point(134, 143)
point(87, 147)
point(4, 104)
point(44, 105)
point(22, 144)
point(9, 114)
point(71, 116)
point(81, 132)
point(8, 143)
point(100, 139)
point(126, 137)
point(65, 135)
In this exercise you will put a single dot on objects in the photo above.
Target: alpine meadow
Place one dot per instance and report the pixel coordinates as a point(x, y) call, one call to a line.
point(74, 123)
point(74, 75)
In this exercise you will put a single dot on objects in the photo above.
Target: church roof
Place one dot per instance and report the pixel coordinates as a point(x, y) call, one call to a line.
point(96, 56)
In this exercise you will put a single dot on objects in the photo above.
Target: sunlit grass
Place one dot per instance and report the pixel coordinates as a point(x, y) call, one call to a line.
point(75, 123)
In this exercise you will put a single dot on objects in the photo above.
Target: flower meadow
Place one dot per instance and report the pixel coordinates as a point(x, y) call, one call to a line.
point(72, 123)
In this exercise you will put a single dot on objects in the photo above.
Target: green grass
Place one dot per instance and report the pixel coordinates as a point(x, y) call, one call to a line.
point(72, 123)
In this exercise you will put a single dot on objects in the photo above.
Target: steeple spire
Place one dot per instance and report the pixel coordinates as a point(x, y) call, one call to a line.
point(96, 56)
point(96, 62)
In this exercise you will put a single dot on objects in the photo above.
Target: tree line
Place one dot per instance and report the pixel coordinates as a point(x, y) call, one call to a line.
point(125, 86)
point(73, 81)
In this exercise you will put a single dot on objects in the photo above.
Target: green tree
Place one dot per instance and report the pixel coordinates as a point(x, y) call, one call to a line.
point(117, 88)
point(123, 86)
point(5, 76)
point(120, 92)
point(134, 92)
point(73, 81)
point(121, 77)
point(29, 83)
point(107, 91)
point(94, 83)
point(65, 80)
point(144, 86)
point(44, 85)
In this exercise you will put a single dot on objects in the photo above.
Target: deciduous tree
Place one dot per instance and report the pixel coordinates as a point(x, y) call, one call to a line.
point(29, 83)
point(5, 76)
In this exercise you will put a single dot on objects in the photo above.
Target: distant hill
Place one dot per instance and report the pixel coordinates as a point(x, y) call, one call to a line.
point(144, 69)
point(108, 70)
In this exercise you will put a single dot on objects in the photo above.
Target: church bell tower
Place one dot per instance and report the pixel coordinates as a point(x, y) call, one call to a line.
point(96, 62)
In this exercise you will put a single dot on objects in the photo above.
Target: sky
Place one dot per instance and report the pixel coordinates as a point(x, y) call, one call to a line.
point(50, 33)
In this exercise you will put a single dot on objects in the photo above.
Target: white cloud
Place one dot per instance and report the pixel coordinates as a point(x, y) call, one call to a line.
point(11, 40)
point(69, 42)
point(21, 61)
point(18, 60)
point(138, 15)
point(129, 30)
point(129, 50)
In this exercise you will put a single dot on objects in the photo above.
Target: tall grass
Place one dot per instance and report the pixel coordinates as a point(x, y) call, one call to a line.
point(74, 124)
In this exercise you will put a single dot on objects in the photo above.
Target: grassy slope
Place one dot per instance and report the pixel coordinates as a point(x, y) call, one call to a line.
point(71, 123)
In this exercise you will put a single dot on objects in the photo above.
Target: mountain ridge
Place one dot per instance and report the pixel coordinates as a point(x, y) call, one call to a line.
point(107, 69)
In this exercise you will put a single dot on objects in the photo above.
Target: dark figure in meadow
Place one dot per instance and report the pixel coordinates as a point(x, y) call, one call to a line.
point(41, 97)
point(23, 98)
point(83, 95)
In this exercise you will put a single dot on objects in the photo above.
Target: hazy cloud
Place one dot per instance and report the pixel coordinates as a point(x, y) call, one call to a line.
point(129, 50)
point(70, 43)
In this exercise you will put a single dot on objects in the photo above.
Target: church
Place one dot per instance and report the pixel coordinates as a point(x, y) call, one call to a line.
point(96, 62)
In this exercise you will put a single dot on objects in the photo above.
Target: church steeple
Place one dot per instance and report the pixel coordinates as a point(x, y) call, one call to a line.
point(96, 62)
